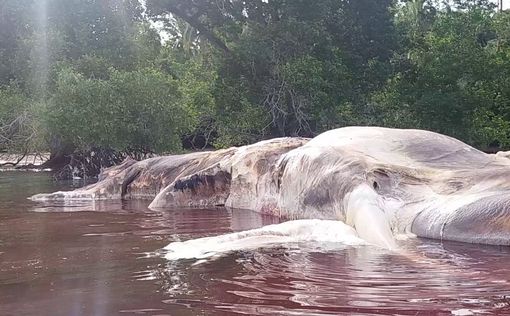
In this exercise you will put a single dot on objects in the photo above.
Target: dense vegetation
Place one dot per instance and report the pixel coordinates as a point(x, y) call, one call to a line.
point(92, 81)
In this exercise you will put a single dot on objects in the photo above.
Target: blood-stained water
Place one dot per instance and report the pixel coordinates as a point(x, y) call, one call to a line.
point(106, 258)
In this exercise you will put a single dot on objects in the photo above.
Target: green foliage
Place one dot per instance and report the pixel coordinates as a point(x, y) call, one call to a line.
point(13, 29)
point(452, 77)
point(135, 110)
point(290, 68)
point(20, 129)
point(96, 74)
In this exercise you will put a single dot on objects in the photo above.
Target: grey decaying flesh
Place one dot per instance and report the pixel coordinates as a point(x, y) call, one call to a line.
point(414, 181)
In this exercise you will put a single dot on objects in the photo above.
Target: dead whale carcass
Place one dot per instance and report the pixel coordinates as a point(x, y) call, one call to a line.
point(380, 181)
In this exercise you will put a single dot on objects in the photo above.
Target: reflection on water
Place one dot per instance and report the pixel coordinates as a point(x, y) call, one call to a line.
point(103, 259)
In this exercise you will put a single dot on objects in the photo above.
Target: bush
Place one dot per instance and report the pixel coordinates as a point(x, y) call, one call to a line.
point(20, 125)
point(131, 111)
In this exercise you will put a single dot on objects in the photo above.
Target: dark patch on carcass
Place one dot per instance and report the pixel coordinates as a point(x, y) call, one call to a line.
point(262, 166)
point(381, 180)
point(334, 186)
point(443, 152)
point(197, 180)
point(318, 198)
point(386, 181)
point(188, 184)
point(455, 185)
point(202, 189)
point(281, 170)
point(130, 177)
point(326, 190)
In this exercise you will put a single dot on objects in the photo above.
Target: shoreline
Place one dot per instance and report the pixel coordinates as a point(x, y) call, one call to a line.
point(20, 161)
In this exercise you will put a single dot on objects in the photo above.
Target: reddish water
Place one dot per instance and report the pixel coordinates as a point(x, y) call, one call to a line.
point(103, 259)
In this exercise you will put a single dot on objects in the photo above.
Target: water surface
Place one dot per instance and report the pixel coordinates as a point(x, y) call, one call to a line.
point(104, 259)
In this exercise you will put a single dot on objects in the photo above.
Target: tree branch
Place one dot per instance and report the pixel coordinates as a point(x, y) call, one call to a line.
point(202, 29)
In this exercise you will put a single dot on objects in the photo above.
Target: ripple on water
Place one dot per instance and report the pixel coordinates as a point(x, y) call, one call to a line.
point(426, 278)
point(103, 259)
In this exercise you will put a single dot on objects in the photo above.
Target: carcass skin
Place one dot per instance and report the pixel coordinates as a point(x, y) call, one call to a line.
point(382, 182)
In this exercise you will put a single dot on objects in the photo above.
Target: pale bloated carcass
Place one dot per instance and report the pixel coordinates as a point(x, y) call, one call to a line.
point(383, 182)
